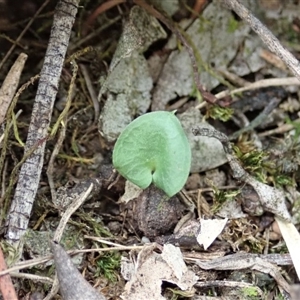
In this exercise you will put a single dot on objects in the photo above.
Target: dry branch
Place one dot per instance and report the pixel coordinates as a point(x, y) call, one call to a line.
point(266, 36)
point(27, 186)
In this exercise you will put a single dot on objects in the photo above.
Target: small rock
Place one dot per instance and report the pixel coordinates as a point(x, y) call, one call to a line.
point(155, 214)
point(207, 153)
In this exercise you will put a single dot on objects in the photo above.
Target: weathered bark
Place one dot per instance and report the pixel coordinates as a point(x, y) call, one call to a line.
point(28, 182)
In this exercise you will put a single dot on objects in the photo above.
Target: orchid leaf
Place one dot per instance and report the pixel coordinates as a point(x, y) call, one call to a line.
point(154, 149)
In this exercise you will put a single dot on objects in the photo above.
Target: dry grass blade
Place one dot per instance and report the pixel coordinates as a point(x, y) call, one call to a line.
point(10, 84)
point(70, 210)
point(292, 240)
point(261, 84)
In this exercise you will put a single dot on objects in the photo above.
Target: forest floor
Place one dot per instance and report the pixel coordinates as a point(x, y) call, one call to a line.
point(218, 238)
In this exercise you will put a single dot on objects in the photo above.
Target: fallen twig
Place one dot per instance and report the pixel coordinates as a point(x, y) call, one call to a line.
point(266, 36)
point(231, 284)
point(240, 261)
point(279, 130)
point(91, 90)
point(260, 84)
point(32, 277)
point(30, 172)
point(37, 261)
point(70, 210)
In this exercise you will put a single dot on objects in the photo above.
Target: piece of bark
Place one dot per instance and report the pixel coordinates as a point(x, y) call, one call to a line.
point(29, 177)
point(72, 285)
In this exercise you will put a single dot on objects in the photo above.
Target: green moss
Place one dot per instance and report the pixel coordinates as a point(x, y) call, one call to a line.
point(283, 180)
point(254, 162)
point(250, 293)
point(219, 113)
point(108, 265)
point(233, 25)
point(223, 196)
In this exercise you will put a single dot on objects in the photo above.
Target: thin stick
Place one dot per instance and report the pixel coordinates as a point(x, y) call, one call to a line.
point(36, 261)
point(51, 168)
point(279, 130)
point(260, 84)
point(32, 277)
point(254, 86)
point(63, 118)
point(70, 210)
point(91, 90)
point(266, 36)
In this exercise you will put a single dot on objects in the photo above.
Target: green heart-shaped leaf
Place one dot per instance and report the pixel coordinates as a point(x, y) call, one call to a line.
point(154, 148)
